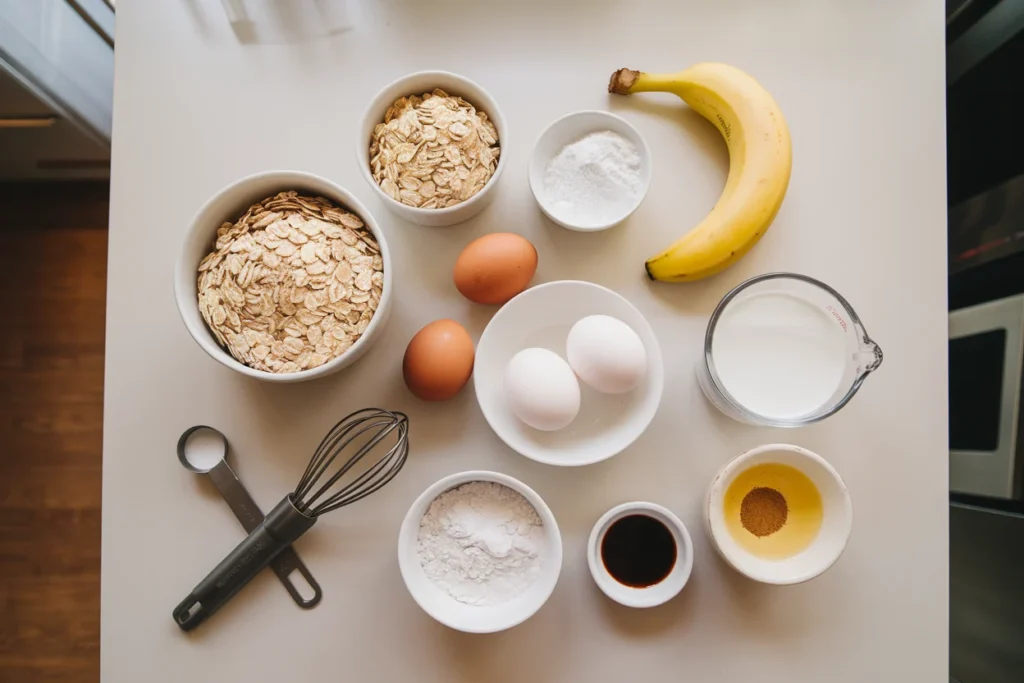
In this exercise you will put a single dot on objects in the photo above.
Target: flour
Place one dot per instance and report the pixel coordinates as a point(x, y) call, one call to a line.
point(595, 180)
point(482, 543)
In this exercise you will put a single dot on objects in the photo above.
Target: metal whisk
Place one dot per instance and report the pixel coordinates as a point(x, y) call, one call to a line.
point(376, 425)
point(333, 466)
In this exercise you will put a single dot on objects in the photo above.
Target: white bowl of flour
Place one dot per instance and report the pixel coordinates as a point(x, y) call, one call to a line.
point(590, 170)
point(480, 551)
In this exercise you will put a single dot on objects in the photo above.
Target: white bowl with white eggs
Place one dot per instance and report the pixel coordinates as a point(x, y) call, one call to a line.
point(565, 396)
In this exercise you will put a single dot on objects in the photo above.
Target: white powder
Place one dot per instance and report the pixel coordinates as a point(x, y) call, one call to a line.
point(595, 180)
point(482, 543)
point(204, 448)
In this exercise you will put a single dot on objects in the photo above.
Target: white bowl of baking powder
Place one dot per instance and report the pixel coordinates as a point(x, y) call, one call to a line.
point(590, 170)
point(480, 551)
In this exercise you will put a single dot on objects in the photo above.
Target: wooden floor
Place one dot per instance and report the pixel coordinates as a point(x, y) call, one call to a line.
point(53, 285)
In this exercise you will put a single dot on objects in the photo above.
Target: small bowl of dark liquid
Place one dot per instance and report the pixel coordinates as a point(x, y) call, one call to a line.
point(640, 554)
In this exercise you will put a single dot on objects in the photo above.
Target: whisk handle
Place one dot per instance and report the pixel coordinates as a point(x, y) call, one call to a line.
point(281, 527)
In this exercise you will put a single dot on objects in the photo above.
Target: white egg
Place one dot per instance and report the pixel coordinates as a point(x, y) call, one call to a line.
point(606, 354)
point(542, 389)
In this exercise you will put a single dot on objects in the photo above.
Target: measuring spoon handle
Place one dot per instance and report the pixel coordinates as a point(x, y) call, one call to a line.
point(250, 516)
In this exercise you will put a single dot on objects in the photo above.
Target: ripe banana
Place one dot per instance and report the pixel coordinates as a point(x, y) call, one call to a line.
point(760, 160)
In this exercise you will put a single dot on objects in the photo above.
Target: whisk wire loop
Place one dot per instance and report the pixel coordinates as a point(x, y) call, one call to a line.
point(370, 425)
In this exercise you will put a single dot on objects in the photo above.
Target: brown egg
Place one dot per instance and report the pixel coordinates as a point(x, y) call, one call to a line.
point(438, 361)
point(494, 268)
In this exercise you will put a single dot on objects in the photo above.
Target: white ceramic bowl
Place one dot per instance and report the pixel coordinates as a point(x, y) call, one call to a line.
point(567, 130)
point(227, 205)
point(473, 618)
point(650, 596)
point(417, 84)
point(542, 316)
point(837, 520)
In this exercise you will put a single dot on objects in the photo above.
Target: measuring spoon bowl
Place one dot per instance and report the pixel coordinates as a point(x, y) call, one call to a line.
point(202, 448)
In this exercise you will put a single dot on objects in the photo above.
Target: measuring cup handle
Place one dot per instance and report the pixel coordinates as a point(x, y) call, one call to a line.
point(278, 530)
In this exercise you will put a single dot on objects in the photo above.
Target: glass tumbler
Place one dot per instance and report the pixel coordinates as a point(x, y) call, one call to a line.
point(777, 335)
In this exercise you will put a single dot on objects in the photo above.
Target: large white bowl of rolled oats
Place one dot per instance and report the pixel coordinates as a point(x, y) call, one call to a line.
point(430, 146)
point(283, 276)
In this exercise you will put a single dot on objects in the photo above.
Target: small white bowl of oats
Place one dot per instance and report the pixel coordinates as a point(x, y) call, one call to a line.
point(430, 146)
point(283, 276)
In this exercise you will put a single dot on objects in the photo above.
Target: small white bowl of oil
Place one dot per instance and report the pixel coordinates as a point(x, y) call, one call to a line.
point(779, 514)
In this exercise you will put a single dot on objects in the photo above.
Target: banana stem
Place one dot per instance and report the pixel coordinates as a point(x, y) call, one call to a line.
point(622, 81)
point(627, 81)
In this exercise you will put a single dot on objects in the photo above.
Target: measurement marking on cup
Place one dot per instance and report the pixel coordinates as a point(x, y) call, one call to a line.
point(839, 318)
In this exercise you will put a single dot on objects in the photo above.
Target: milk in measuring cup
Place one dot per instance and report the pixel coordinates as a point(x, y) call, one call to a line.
point(778, 355)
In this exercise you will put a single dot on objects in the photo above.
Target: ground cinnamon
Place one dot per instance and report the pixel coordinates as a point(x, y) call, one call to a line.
point(763, 511)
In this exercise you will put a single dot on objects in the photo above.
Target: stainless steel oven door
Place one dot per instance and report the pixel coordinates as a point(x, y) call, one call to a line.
point(986, 352)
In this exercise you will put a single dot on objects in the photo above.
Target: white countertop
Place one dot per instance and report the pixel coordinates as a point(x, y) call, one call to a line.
point(863, 88)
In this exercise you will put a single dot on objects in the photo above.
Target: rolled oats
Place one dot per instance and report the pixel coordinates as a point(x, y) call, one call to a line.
point(292, 284)
point(433, 151)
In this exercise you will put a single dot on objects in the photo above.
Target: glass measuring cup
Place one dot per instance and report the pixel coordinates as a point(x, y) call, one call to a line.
point(784, 350)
